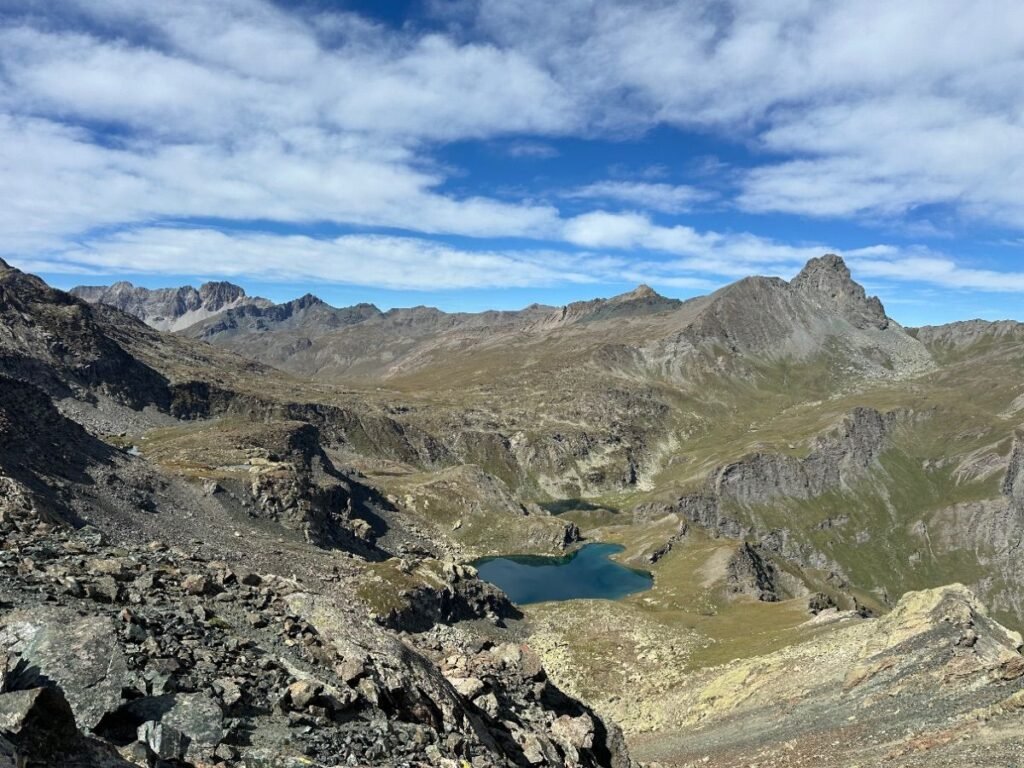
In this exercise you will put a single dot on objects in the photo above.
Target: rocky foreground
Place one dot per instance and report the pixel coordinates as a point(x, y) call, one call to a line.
point(117, 655)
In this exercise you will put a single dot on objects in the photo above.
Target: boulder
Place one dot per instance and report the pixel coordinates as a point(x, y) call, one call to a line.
point(38, 721)
point(193, 721)
point(164, 741)
point(80, 654)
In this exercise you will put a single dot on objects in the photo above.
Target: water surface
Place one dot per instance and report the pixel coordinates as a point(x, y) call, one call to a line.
point(587, 573)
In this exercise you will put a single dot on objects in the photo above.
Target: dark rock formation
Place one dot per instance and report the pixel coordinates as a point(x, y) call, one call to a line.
point(463, 596)
point(60, 344)
point(749, 573)
point(835, 460)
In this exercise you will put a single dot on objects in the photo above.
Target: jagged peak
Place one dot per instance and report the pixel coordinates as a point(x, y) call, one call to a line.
point(220, 293)
point(221, 285)
point(307, 300)
point(4, 264)
point(828, 279)
point(830, 263)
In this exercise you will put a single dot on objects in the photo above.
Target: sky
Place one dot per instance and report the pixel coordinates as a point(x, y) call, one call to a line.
point(473, 154)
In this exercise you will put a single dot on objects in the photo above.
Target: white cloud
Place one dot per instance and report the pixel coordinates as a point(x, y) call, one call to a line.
point(222, 75)
point(672, 258)
point(933, 269)
point(886, 106)
point(58, 184)
point(667, 198)
point(608, 230)
point(368, 260)
point(531, 149)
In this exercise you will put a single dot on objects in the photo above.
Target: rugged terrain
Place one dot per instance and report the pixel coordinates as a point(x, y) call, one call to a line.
point(263, 521)
point(206, 608)
point(170, 309)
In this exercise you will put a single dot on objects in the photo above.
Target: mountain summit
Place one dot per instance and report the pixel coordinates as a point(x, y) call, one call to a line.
point(642, 292)
point(828, 279)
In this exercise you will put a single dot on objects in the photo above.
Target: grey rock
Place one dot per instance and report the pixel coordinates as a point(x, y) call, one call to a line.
point(78, 653)
point(192, 721)
point(165, 742)
point(38, 721)
point(827, 281)
point(750, 573)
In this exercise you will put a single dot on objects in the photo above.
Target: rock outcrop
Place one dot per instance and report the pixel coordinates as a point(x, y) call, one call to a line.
point(750, 574)
point(826, 281)
point(836, 459)
point(60, 344)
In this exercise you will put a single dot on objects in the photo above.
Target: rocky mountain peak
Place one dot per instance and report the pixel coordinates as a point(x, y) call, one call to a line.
point(306, 301)
point(827, 279)
point(642, 292)
point(642, 300)
point(215, 295)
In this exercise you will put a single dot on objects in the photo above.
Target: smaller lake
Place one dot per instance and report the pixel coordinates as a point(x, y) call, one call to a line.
point(587, 573)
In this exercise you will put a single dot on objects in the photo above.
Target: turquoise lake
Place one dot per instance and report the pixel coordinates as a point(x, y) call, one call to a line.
point(587, 573)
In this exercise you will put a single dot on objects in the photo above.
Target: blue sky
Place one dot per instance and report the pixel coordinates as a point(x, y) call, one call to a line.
point(483, 153)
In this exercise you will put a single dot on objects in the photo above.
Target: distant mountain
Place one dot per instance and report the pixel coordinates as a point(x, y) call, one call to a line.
point(823, 311)
point(169, 309)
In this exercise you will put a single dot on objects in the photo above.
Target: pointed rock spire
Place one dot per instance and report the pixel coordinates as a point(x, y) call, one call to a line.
point(828, 279)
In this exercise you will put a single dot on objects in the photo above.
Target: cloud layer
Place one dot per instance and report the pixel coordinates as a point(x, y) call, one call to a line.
point(128, 129)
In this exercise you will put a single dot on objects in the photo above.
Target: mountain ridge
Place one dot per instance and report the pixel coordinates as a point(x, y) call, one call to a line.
point(169, 309)
point(763, 317)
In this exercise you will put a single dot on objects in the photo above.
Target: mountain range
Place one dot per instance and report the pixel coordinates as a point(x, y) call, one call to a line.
point(262, 517)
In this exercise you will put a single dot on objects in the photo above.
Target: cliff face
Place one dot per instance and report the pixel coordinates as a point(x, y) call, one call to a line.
point(736, 494)
point(836, 459)
point(1013, 482)
point(993, 532)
